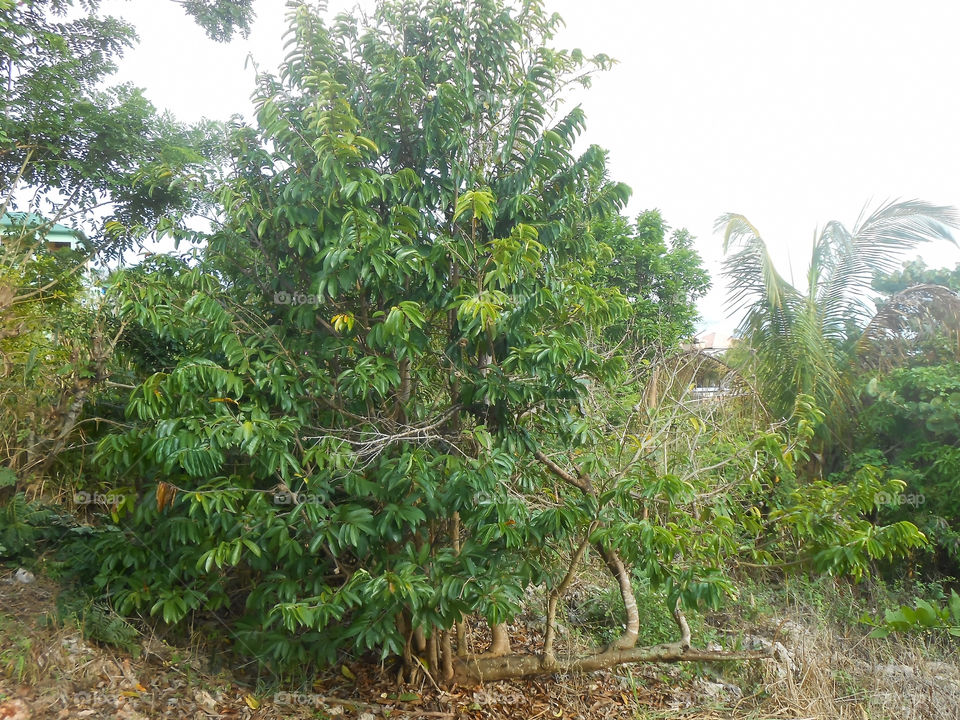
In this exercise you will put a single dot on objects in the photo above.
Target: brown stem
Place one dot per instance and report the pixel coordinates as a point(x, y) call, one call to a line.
point(611, 559)
point(455, 532)
point(403, 628)
point(433, 652)
point(501, 641)
point(407, 669)
point(67, 424)
point(446, 656)
point(403, 392)
point(460, 626)
point(681, 621)
point(651, 391)
point(462, 638)
point(610, 556)
point(557, 592)
point(583, 484)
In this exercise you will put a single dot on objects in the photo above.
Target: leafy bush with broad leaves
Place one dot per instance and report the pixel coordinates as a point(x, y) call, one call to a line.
point(346, 471)
point(388, 399)
point(27, 527)
point(921, 616)
point(912, 426)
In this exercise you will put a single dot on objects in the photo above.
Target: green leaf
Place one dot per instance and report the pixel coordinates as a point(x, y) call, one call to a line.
point(8, 477)
point(927, 615)
point(955, 606)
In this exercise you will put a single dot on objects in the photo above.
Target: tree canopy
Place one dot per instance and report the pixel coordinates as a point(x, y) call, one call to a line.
point(94, 154)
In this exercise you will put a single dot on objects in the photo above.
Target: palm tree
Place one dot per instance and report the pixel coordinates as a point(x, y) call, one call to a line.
point(811, 341)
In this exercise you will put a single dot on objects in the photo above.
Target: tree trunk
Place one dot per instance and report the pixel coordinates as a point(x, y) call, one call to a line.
point(433, 653)
point(403, 392)
point(681, 621)
point(446, 652)
point(461, 623)
point(558, 592)
point(651, 393)
point(501, 641)
point(67, 425)
point(620, 573)
point(462, 638)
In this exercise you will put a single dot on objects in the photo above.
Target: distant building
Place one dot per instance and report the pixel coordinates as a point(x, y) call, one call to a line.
point(711, 376)
point(57, 236)
point(711, 342)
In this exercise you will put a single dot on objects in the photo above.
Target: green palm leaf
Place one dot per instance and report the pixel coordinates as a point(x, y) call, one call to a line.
point(848, 260)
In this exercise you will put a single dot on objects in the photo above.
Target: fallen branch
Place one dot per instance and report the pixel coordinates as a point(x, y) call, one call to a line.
point(490, 669)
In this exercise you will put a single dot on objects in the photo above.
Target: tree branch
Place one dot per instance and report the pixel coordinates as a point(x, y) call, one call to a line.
point(488, 669)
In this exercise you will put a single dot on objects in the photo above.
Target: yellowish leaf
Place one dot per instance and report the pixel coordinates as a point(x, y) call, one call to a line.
point(166, 494)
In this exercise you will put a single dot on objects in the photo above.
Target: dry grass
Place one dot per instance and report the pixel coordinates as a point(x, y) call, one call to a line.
point(839, 672)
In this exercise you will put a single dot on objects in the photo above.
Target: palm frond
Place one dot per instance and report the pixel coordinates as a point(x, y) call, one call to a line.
point(754, 280)
point(917, 313)
point(848, 260)
point(736, 230)
point(900, 226)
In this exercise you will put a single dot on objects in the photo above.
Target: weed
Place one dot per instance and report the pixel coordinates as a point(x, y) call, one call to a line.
point(16, 656)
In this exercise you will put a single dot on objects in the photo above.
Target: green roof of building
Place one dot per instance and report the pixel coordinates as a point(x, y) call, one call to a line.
point(55, 233)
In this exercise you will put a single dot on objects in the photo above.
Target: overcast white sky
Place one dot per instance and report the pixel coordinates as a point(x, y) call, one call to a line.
point(790, 113)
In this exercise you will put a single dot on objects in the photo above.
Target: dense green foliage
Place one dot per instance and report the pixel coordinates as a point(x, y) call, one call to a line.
point(45, 343)
point(910, 423)
point(98, 158)
point(914, 423)
point(221, 19)
point(659, 276)
point(915, 273)
point(80, 143)
point(921, 615)
point(886, 380)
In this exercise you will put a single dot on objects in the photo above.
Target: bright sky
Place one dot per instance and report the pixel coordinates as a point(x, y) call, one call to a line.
point(790, 113)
